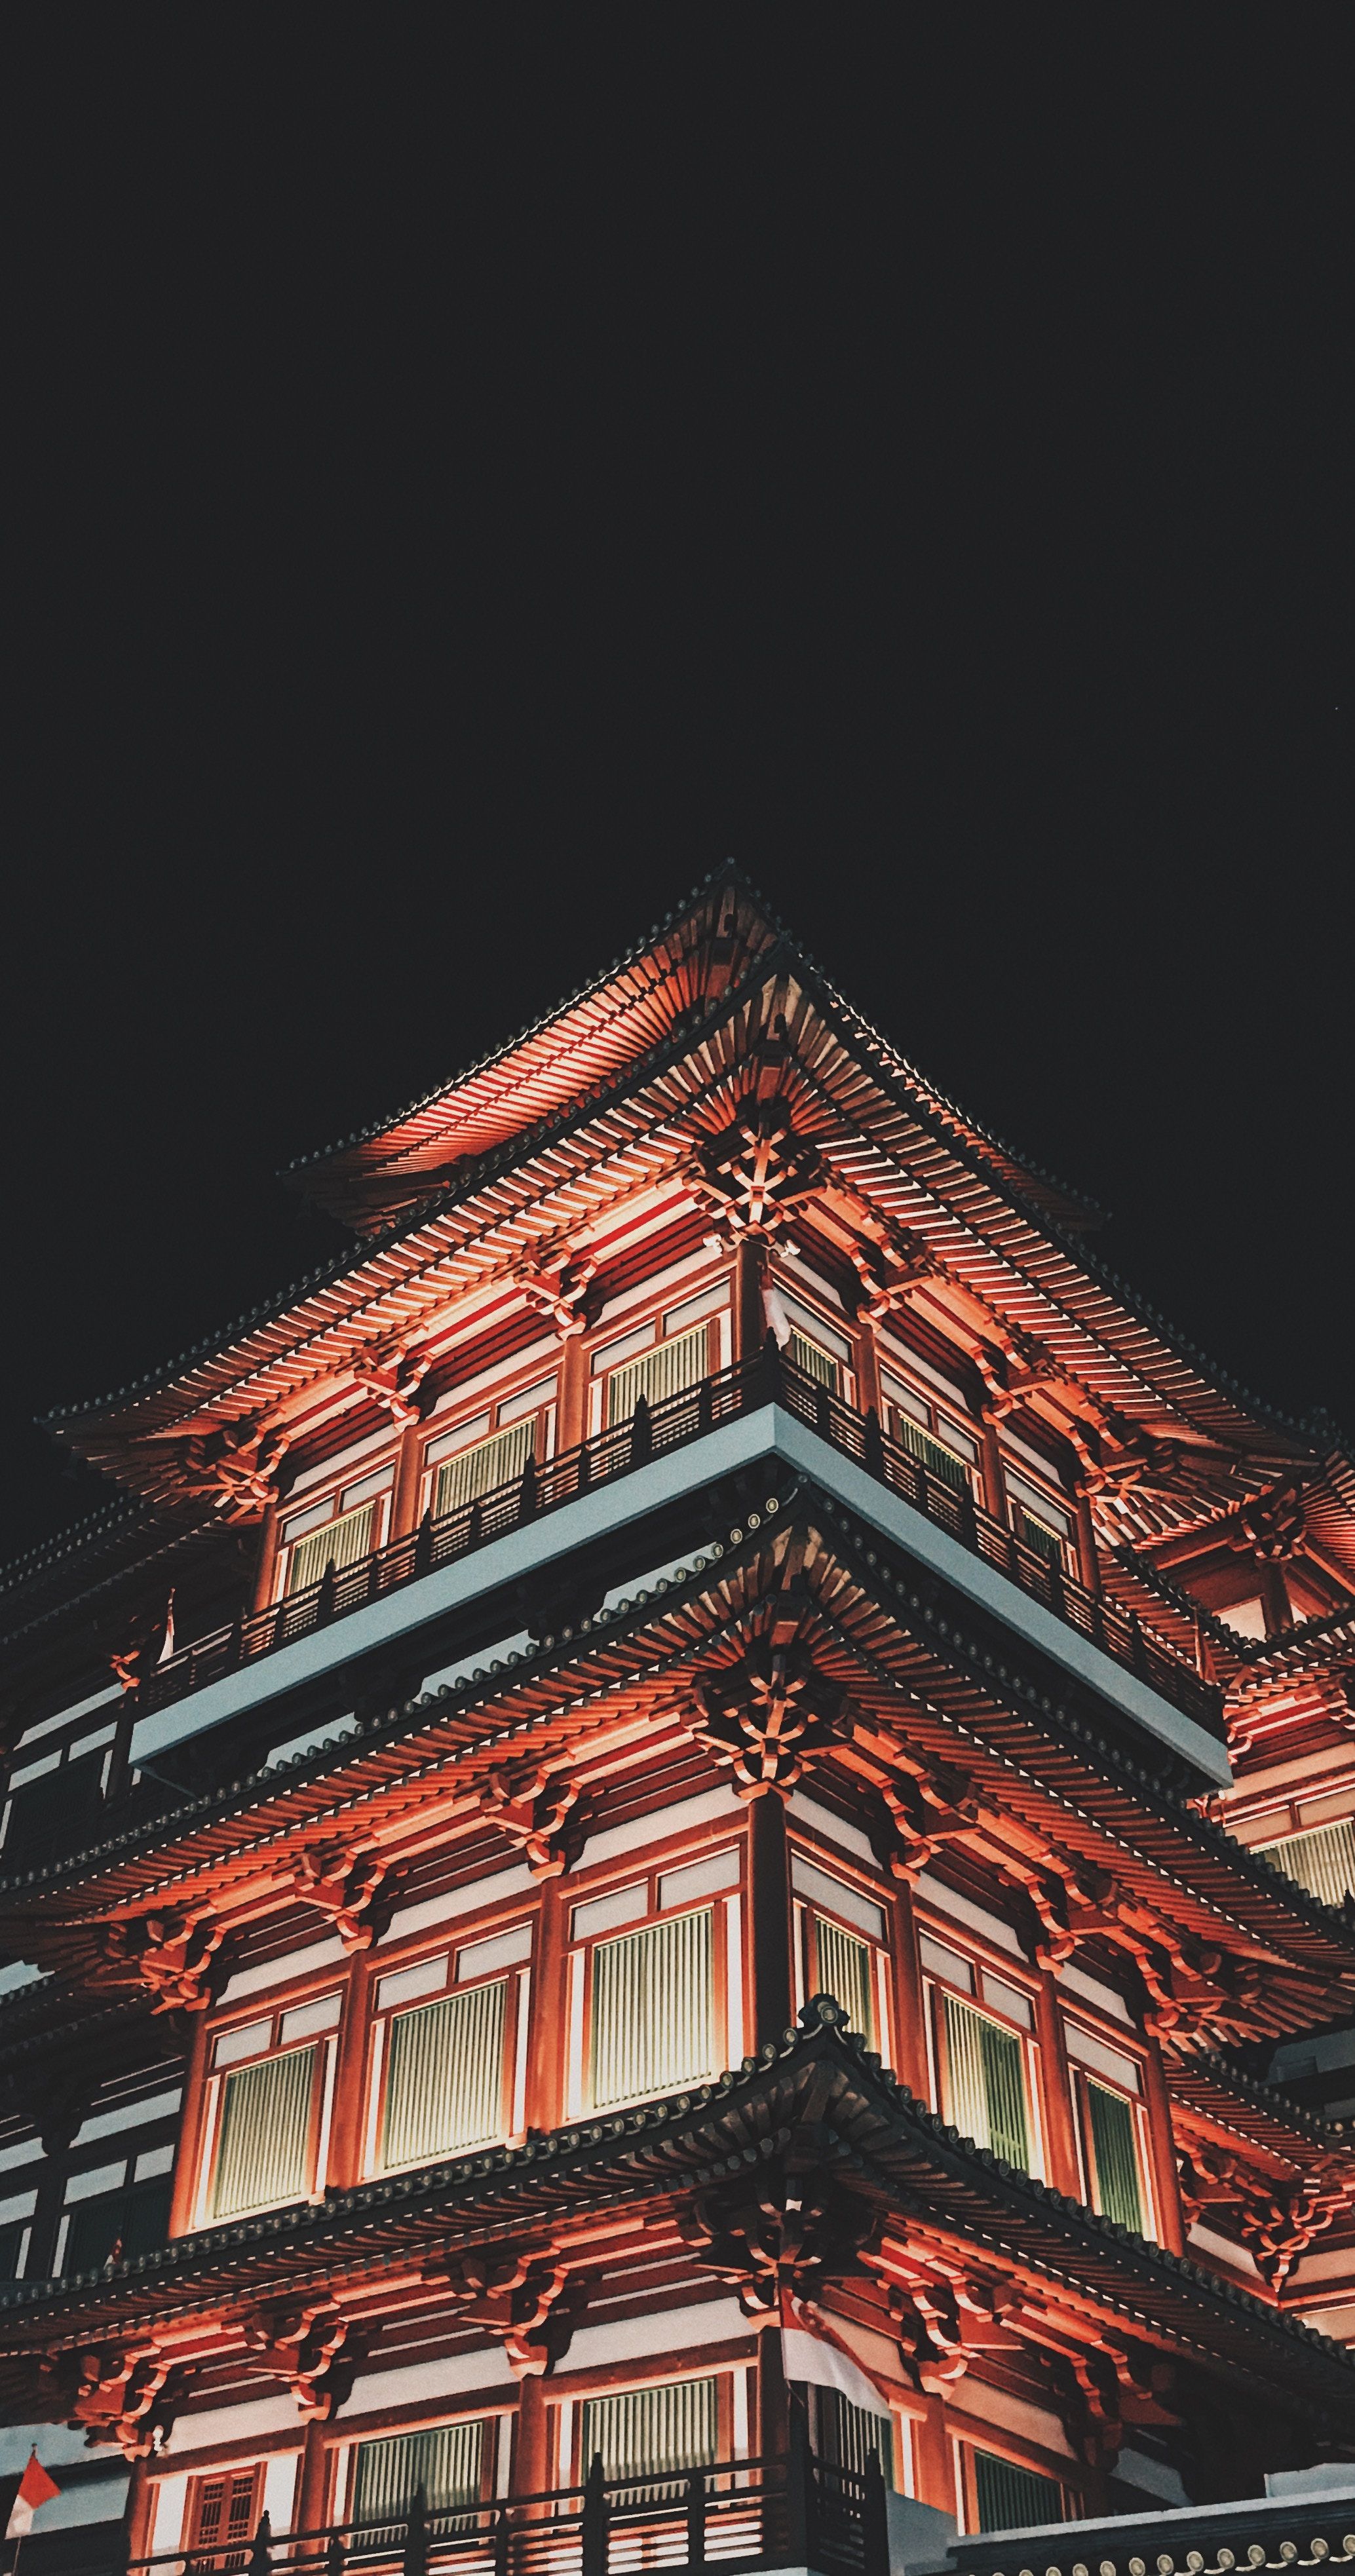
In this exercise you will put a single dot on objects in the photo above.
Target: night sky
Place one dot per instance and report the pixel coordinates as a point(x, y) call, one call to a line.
point(471, 470)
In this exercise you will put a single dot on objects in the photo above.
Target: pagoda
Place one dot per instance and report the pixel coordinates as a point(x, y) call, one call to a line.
point(676, 1876)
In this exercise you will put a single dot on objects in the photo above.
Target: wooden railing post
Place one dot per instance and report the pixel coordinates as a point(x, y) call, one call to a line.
point(416, 2536)
point(874, 2520)
point(334, 2555)
point(324, 1599)
point(800, 2498)
point(696, 2518)
point(261, 2553)
point(641, 1436)
point(501, 2542)
point(594, 2521)
point(423, 1546)
point(872, 1445)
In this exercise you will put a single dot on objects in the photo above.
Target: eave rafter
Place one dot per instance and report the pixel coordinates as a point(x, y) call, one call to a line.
point(947, 1745)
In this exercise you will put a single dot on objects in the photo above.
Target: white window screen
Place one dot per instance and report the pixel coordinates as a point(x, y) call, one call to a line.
point(479, 1469)
point(448, 2463)
point(1323, 1861)
point(666, 1370)
point(986, 2092)
point(845, 1971)
point(444, 2082)
point(653, 2009)
point(263, 2150)
point(818, 1364)
point(644, 2432)
point(337, 1543)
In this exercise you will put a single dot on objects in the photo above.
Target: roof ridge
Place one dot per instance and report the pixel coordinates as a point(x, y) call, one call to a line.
point(729, 874)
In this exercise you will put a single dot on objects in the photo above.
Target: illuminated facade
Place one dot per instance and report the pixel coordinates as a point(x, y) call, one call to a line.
point(719, 1542)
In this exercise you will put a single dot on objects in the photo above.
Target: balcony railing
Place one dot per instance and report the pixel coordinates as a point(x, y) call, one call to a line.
point(651, 1432)
point(738, 2515)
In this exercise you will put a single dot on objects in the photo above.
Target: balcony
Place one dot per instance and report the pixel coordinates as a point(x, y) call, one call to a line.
point(731, 1396)
point(738, 2515)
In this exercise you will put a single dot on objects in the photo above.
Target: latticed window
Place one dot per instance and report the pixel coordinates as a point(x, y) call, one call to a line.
point(653, 2009)
point(223, 2516)
point(483, 1467)
point(932, 1454)
point(1322, 1860)
point(1114, 2156)
point(1008, 2498)
point(816, 1363)
point(644, 2432)
point(444, 2080)
point(340, 1542)
point(448, 2463)
point(263, 2147)
point(668, 1369)
point(985, 2083)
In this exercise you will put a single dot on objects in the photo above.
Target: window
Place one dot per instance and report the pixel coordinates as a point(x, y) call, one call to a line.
point(982, 2053)
point(841, 1948)
point(58, 1792)
point(931, 1435)
point(1009, 2498)
point(14, 2248)
point(223, 2516)
point(1039, 1522)
point(448, 2049)
point(450, 2462)
point(1108, 2086)
point(643, 2432)
point(340, 1531)
point(1323, 1861)
point(656, 1984)
point(267, 2110)
point(668, 1368)
point(848, 2434)
point(136, 2221)
point(490, 1449)
point(815, 1347)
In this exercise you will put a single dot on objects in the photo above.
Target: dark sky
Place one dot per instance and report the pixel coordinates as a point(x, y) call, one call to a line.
point(468, 471)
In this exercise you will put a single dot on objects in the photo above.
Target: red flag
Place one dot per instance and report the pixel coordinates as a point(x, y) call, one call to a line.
point(35, 2488)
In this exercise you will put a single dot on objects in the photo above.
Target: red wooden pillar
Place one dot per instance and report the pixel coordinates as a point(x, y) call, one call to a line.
point(994, 1491)
point(533, 2469)
point(909, 2001)
point(1166, 2180)
point(549, 2039)
point(183, 2197)
point(1060, 2136)
point(1086, 1546)
point(267, 1559)
point(572, 1414)
point(867, 1371)
point(405, 1501)
point(770, 1917)
point(311, 2512)
point(345, 2134)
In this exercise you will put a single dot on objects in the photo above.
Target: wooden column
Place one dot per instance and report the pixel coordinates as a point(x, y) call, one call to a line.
point(867, 1371)
point(183, 2197)
point(345, 2134)
point(139, 2516)
point(405, 1500)
point(932, 2458)
point(311, 2511)
point(994, 1491)
point(1166, 2181)
point(769, 1917)
point(549, 2037)
point(1056, 2106)
point(533, 2469)
point(910, 2007)
point(1274, 1597)
point(1086, 1546)
point(267, 1559)
point(571, 1418)
point(750, 1321)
